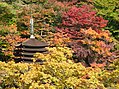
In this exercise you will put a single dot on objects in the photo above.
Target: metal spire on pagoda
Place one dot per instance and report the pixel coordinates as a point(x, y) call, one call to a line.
point(31, 27)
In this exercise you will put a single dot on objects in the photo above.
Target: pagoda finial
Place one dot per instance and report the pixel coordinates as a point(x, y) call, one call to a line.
point(31, 26)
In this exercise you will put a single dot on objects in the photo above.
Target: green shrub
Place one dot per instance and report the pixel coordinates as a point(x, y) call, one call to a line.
point(54, 74)
point(50, 75)
point(7, 14)
point(109, 9)
point(110, 76)
point(55, 54)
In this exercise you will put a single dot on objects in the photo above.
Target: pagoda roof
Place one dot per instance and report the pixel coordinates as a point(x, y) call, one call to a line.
point(32, 42)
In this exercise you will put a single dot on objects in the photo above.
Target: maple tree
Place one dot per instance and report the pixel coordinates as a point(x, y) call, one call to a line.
point(92, 46)
point(83, 17)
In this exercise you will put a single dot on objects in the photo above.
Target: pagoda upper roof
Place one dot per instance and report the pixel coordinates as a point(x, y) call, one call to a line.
point(32, 42)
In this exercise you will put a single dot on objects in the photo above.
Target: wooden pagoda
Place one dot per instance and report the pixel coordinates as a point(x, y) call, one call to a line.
point(26, 50)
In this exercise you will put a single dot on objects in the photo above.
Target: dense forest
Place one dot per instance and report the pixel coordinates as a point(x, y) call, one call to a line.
point(82, 38)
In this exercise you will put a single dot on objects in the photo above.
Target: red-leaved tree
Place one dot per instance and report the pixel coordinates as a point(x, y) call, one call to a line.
point(82, 17)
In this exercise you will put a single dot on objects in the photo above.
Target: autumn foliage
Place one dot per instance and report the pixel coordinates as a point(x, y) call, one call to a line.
point(92, 46)
point(83, 17)
point(83, 27)
point(81, 55)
